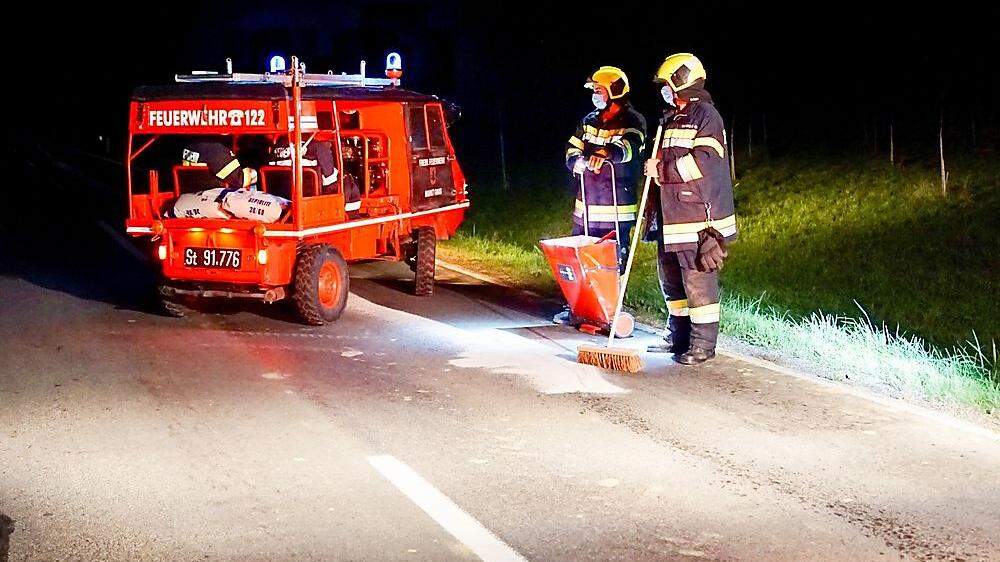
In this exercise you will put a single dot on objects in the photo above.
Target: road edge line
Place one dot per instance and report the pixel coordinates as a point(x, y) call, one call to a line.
point(485, 278)
point(860, 392)
point(122, 241)
point(453, 519)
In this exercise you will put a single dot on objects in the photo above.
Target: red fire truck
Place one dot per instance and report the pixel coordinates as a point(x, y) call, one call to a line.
point(391, 142)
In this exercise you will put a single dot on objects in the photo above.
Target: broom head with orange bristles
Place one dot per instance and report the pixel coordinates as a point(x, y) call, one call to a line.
point(610, 358)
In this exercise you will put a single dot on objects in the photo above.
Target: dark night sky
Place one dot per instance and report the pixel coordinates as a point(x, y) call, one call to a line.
point(820, 73)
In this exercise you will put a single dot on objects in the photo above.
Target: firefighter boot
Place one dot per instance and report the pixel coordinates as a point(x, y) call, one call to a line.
point(677, 340)
point(668, 345)
point(565, 317)
point(695, 356)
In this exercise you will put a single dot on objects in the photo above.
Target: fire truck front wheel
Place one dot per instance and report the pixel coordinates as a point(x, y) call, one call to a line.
point(425, 260)
point(321, 284)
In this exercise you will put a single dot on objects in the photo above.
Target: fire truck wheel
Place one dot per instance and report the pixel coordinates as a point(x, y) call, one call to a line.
point(410, 256)
point(170, 304)
point(321, 284)
point(426, 250)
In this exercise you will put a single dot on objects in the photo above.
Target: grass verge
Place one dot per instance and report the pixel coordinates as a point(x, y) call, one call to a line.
point(841, 251)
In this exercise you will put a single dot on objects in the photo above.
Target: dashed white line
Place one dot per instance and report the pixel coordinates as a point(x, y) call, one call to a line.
point(458, 523)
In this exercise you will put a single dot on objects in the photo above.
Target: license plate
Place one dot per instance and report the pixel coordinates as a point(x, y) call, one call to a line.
point(213, 257)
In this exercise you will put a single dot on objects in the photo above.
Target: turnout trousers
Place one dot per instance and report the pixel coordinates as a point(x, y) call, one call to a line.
point(692, 299)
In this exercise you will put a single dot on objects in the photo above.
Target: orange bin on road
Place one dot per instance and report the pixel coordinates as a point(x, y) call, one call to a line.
point(586, 269)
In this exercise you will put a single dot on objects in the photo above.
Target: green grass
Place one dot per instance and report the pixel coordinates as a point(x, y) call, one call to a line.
point(852, 264)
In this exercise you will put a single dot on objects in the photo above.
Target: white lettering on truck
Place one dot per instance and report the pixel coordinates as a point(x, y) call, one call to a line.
point(206, 118)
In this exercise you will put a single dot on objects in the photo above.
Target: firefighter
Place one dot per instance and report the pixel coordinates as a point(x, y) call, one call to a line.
point(320, 154)
point(605, 150)
point(697, 218)
point(221, 162)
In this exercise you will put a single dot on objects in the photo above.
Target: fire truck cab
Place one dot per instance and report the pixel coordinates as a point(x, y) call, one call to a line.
point(391, 142)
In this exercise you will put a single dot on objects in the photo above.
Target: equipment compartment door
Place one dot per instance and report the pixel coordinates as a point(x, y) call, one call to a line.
point(430, 166)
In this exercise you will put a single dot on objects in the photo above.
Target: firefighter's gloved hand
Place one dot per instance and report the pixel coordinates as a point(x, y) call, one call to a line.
point(580, 165)
point(596, 161)
point(711, 250)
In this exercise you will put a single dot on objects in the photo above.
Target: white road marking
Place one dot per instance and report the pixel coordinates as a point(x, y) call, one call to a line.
point(122, 241)
point(441, 509)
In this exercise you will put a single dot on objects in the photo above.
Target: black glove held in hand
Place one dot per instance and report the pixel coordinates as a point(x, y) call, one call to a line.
point(711, 250)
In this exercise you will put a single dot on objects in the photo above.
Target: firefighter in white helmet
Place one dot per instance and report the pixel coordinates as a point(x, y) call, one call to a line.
point(605, 150)
point(696, 218)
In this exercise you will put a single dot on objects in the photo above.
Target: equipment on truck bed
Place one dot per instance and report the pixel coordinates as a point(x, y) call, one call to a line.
point(253, 245)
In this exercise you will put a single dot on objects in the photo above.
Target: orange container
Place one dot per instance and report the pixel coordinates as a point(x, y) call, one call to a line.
point(586, 269)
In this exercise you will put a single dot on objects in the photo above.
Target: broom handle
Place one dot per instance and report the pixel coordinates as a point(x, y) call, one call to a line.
point(635, 241)
point(586, 209)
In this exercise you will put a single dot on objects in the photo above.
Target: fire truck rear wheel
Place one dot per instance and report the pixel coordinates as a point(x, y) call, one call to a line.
point(425, 260)
point(321, 284)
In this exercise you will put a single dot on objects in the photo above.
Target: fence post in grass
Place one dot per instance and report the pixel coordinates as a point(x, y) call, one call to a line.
point(944, 171)
point(892, 145)
point(875, 137)
point(732, 149)
point(503, 152)
point(763, 120)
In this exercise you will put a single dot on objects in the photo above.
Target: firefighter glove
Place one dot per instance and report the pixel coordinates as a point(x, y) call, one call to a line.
point(597, 160)
point(711, 250)
point(580, 165)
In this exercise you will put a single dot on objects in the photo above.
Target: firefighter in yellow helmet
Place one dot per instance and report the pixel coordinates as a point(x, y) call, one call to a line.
point(695, 219)
point(604, 152)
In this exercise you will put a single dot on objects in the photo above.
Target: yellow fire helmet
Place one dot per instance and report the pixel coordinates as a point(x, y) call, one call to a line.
point(612, 78)
point(680, 71)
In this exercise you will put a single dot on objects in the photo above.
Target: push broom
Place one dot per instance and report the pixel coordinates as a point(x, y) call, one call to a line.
point(621, 358)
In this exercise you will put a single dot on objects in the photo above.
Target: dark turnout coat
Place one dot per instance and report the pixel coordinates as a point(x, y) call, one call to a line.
point(622, 137)
point(695, 187)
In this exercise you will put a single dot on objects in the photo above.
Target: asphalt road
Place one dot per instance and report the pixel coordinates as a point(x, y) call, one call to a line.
point(453, 427)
